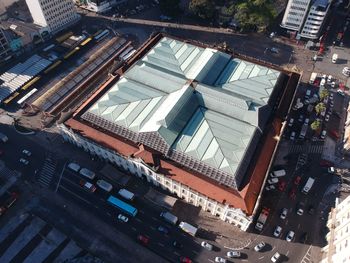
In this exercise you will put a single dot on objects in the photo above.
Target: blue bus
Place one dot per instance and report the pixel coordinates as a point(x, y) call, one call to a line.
point(125, 207)
point(102, 35)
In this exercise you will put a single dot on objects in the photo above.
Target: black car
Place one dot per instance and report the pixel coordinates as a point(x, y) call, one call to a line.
point(303, 237)
point(177, 244)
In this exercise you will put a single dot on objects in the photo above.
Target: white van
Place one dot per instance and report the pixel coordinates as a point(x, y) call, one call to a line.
point(87, 173)
point(74, 167)
point(126, 194)
point(104, 185)
point(278, 173)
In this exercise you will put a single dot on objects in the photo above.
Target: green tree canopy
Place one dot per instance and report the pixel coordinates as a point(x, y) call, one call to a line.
point(320, 107)
point(323, 94)
point(316, 125)
point(202, 8)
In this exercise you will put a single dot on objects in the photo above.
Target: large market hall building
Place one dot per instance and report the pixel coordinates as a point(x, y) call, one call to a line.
point(199, 122)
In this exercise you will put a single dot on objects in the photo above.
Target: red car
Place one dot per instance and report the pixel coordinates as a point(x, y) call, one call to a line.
point(292, 193)
point(185, 260)
point(325, 163)
point(334, 134)
point(282, 186)
point(143, 239)
point(297, 180)
point(87, 186)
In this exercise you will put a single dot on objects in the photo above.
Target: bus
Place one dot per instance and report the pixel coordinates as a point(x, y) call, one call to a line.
point(30, 83)
point(49, 47)
point(85, 41)
point(121, 205)
point(62, 38)
point(54, 65)
point(102, 35)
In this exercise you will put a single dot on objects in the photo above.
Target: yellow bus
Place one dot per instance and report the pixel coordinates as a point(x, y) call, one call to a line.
point(62, 38)
point(54, 65)
point(9, 99)
point(85, 41)
point(30, 83)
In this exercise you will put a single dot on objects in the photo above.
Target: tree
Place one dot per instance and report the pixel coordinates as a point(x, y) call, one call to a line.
point(323, 94)
point(202, 8)
point(316, 125)
point(320, 107)
point(170, 7)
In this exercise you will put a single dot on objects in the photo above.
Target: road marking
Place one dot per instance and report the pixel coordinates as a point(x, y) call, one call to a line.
point(197, 242)
point(273, 248)
point(133, 228)
point(82, 199)
point(244, 260)
point(138, 220)
point(176, 253)
point(195, 252)
point(153, 228)
point(287, 253)
point(210, 260)
point(262, 257)
point(155, 219)
point(299, 226)
point(162, 245)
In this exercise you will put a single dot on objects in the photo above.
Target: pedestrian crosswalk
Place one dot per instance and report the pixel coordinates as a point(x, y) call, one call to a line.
point(306, 148)
point(307, 257)
point(47, 172)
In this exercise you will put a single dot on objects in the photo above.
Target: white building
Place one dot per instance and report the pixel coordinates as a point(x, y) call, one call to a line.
point(295, 14)
point(101, 6)
point(315, 18)
point(54, 15)
point(338, 238)
point(305, 17)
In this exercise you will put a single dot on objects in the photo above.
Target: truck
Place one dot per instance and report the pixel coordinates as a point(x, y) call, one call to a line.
point(308, 185)
point(334, 58)
point(189, 229)
point(303, 131)
point(169, 217)
point(126, 194)
point(313, 77)
point(3, 137)
point(262, 218)
point(278, 173)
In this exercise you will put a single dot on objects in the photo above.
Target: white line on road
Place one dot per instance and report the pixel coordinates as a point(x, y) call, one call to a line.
point(176, 253)
point(197, 242)
point(262, 257)
point(162, 245)
point(298, 226)
point(138, 220)
point(133, 228)
point(153, 228)
point(155, 219)
point(195, 252)
point(273, 248)
point(210, 260)
point(287, 253)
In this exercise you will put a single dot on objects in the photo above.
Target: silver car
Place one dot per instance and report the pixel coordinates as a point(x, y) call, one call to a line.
point(233, 254)
point(206, 245)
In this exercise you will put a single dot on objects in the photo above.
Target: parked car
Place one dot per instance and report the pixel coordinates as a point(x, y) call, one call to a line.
point(291, 121)
point(270, 187)
point(284, 213)
point(292, 193)
point(272, 181)
point(87, 186)
point(290, 236)
point(24, 161)
point(177, 244)
point(282, 185)
point(297, 180)
point(323, 134)
point(277, 231)
point(259, 246)
point(26, 152)
point(292, 136)
point(301, 118)
point(206, 245)
point(163, 229)
point(143, 239)
point(220, 260)
point(185, 260)
point(326, 118)
point(233, 254)
point(123, 218)
point(275, 257)
point(274, 50)
point(300, 208)
point(334, 134)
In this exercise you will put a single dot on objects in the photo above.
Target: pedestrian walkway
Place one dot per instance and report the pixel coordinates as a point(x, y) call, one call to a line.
point(47, 172)
point(307, 257)
point(306, 148)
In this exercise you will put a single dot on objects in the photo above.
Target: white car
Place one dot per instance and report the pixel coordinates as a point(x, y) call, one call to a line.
point(274, 50)
point(290, 236)
point(300, 212)
point(292, 136)
point(233, 254)
point(284, 213)
point(220, 260)
point(270, 187)
point(24, 161)
point(277, 231)
point(26, 152)
point(206, 245)
point(326, 118)
point(272, 181)
point(276, 257)
point(123, 218)
point(259, 246)
point(291, 121)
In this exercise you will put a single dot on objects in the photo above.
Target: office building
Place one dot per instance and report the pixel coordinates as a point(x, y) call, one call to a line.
point(101, 6)
point(338, 238)
point(54, 15)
